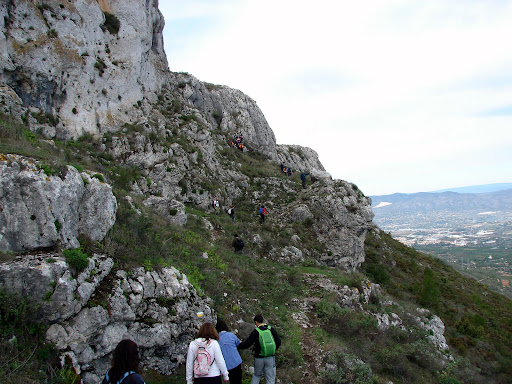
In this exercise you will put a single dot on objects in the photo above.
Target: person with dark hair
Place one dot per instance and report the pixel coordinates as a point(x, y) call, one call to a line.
point(266, 342)
point(238, 244)
point(125, 365)
point(228, 343)
point(205, 363)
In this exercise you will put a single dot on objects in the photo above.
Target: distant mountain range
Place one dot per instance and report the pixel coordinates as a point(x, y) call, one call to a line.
point(479, 188)
point(429, 202)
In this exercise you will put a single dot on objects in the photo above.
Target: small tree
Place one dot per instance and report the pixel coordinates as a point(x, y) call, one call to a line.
point(429, 294)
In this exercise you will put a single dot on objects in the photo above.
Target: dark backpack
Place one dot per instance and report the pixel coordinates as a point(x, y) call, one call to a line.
point(240, 244)
point(267, 343)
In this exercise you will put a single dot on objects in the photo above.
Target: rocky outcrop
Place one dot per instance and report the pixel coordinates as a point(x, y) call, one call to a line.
point(232, 112)
point(344, 217)
point(92, 313)
point(85, 63)
point(40, 209)
point(301, 159)
point(47, 279)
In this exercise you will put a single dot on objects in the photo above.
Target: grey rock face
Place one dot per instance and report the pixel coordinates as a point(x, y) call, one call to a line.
point(232, 111)
point(301, 159)
point(39, 211)
point(155, 309)
point(344, 217)
point(59, 57)
point(46, 278)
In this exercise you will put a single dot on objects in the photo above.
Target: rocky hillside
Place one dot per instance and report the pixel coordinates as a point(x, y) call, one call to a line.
point(108, 167)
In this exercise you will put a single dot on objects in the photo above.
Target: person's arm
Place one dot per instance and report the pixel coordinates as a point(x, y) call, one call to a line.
point(277, 339)
point(191, 355)
point(249, 341)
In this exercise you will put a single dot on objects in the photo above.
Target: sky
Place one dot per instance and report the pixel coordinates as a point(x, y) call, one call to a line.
point(394, 95)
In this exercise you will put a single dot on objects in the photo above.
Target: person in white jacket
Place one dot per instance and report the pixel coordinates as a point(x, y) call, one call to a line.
point(207, 337)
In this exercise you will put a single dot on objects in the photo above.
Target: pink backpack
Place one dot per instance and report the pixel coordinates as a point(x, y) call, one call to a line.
point(203, 360)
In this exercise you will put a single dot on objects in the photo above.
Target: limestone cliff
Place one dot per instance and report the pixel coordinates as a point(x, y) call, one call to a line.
point(87, 63)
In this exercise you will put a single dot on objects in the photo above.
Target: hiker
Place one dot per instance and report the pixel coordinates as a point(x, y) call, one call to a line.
point(125, 365)
point(215, 204)
point(205, 362)
point(303, 178)
point(238, 141)
point(288, 171)
point(238, 244)
point(231, 213)
point(263, 212)
point(266, 342)
point(228, 343)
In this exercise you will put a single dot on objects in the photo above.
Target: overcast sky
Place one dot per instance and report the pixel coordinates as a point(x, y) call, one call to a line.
point(394, 95)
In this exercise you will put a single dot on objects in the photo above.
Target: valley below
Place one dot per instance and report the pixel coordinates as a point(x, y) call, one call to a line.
point(476, 241)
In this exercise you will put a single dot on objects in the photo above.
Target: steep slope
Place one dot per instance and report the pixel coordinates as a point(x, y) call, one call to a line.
point(318, 269)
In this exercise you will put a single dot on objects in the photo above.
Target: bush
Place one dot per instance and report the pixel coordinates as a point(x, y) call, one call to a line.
point(111, 24)
point(378, 274)
point(344, 368)
point(429, 294)
point(76, 259)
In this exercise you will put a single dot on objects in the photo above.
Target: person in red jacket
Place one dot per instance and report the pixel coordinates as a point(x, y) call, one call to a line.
point(262, 212)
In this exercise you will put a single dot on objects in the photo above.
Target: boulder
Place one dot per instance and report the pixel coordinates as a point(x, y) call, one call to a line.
point(39, 211)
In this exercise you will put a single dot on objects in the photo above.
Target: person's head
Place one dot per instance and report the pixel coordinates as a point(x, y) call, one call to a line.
point(125, 358)
point(207, 331)
point(235, 235)
point(221, 326)
point(258, 319)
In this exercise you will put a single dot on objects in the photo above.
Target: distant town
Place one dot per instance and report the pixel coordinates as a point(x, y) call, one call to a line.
point(476, 242)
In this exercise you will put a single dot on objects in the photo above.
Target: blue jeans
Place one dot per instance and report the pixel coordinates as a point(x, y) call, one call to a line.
point(264, 366)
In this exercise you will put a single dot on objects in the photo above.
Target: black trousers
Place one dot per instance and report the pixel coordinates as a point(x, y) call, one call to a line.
point(235, 375)
point(208, 380)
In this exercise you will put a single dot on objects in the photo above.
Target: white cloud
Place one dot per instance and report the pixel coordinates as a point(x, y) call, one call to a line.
point(379, 89)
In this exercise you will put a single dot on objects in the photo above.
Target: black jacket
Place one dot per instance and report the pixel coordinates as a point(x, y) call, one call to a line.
point(254, 339)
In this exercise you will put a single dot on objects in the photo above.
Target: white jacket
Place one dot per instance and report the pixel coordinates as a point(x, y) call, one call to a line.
point(218, 365)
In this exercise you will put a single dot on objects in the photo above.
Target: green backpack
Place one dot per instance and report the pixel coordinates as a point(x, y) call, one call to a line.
point(267, 343)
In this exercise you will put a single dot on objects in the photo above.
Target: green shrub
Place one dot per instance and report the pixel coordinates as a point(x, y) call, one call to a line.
point(429, 294)
point(98, 176)
point(100, 66)
point(76, 259)
point(378, 274)
point(49, 171)
point(111, 24)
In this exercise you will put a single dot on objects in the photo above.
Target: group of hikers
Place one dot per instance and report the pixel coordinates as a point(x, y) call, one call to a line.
point(238, 141)
point(288, 171)
point(211, 357)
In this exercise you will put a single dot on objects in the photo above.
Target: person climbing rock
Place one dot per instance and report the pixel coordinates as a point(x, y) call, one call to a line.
point(263, 212)
point(231, 213)
point(266, 342)
point(303, 179)
point(237, 244)
point(215, 205)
